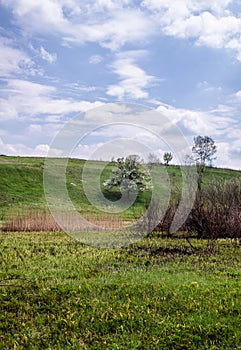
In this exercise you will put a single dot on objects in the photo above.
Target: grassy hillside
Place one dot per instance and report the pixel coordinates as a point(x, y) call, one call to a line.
point(21, 183)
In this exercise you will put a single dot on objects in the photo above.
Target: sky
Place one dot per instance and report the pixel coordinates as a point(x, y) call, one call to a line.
point(180, 58)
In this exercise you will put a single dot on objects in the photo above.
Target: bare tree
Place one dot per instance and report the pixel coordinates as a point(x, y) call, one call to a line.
point(152, 160)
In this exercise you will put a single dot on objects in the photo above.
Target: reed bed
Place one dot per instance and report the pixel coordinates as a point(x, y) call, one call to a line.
point(35, 220)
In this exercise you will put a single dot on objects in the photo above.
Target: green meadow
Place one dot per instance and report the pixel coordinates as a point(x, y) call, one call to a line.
point(21, 183)
point(157, 293)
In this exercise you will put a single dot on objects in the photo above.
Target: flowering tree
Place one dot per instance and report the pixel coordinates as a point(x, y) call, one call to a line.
point(130, 176)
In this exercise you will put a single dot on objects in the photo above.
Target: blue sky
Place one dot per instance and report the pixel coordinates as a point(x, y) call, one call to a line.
point(181, 58)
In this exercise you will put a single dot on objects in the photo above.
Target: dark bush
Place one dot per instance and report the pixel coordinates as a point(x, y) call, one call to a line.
point(217, 211)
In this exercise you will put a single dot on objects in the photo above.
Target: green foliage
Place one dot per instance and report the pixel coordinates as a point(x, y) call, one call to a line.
point(204, 150)
point(156, 294)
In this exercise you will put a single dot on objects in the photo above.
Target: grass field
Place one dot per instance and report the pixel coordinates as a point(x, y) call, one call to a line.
point(21, 184)
point(156, 294)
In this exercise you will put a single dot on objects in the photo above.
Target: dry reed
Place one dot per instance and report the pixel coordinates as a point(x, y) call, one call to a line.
point(43, 221)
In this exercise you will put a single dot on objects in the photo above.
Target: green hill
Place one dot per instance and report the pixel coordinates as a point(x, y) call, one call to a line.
point(21, 183)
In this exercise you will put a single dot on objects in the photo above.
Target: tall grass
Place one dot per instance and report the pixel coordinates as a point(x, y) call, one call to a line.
point(36, 220)
point(30, 220)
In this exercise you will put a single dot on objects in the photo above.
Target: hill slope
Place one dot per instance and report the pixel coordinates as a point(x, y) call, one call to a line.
point(21, 182)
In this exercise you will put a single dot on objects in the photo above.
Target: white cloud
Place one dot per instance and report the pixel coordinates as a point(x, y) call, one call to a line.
point(216, 123)
point(77, 88)
point(212, 122)
point(34, 129)
point(133, 80)
point(119, 23)
point(20, 149)
point(228, 154)
point(53, 118)
point(85, 151)
point(41, 150)
point(14, 61)
point(29, 88)
point(103, 5)
point(42, 131)
point(183, 8)
point(28, 99)
point(205, 86)
point(209, 23)
point(129, 131)
point(95, 59)
point(112, 149)
point(238, 96)
point(113, 31)
point(192, 123)
point(113, 24)
point(217, 32)
point(38, 15)
point(152, 131)
point(47, 56)
point(71, 8)
point(7, 110)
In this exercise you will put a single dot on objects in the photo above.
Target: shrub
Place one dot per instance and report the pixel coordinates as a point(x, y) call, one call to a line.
point(217, 211)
